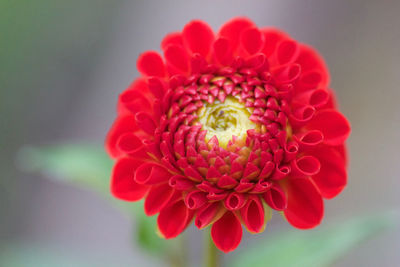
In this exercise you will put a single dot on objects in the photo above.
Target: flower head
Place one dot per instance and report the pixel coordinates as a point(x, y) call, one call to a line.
point(225, 127)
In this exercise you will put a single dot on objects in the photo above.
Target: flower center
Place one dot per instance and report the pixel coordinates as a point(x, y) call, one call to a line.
point(225, 120)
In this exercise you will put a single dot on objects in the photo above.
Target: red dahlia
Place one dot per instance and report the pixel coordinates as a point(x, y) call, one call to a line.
point(226, 127)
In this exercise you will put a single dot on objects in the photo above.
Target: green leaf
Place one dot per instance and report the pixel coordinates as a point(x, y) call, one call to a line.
point(81, 165)
point(89, 167)
point(317, 247)
point(146, 235)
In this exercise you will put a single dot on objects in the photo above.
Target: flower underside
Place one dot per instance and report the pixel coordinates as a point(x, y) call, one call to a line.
point(226, 129)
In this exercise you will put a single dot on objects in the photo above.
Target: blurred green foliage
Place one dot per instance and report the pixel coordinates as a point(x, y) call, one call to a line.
point(314, 248)
point(48, 51)
point(89, 167)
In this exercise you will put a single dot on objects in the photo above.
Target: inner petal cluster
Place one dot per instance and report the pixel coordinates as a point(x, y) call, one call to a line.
point(227, 132)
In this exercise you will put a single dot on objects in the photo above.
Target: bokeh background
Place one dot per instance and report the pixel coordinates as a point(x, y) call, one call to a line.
point(63, 64)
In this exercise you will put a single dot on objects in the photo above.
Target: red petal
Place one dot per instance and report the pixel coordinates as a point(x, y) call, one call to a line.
point(280, 172)
point(134, 97)
point(222, 51)
point(276, 198)
point(333, 125)
point(195, 199)
point(301, 116)
point(145, 122)
point(150, 63)
point(287, 51)
point(305, 166)
point(309, 140)
point(209, 214)
point(287, 73)
point(252, 40)
point(272, 38)
point(177, 57)
point(172, 38)
point(305, 207)
point(158, 197)
point(139, 85)
point(133, 101)
point(332, 177)
point(173, 219)
point(317, 98)
point(227, 232)
point(311, 80)
point(180, 182)
point(259, 62)
point(309, 59)
point(122, 124)
point(129, 143)
point(156, 87)
point(226, 182)
point(151, 173)
point(123, 185)
point(343, 152)
point(232, 30)
point(251, 171)
point(198, 37)
point(235, 201)
point(253, 214)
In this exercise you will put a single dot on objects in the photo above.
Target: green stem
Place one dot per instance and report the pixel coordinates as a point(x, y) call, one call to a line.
point(212, 259)
point(177, 253)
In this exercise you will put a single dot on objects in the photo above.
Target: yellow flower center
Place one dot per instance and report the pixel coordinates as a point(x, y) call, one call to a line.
point(224, 120)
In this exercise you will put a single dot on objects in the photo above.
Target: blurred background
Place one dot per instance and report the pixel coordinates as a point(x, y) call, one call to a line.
point(63, 64)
